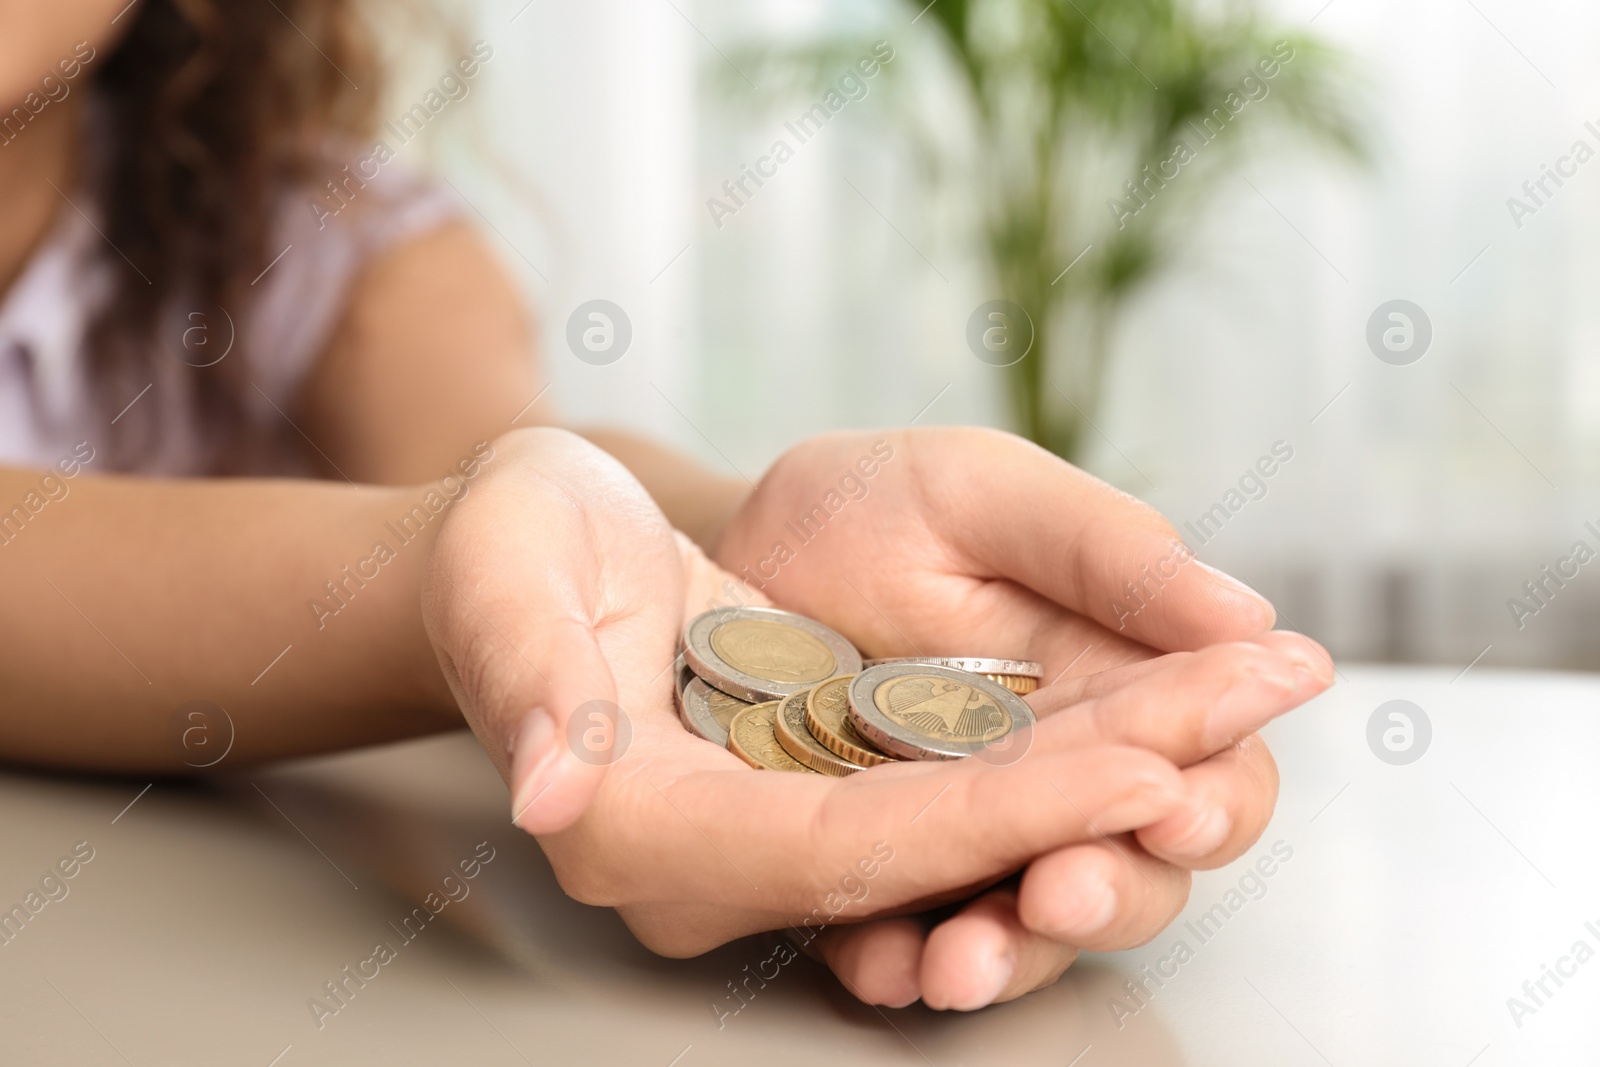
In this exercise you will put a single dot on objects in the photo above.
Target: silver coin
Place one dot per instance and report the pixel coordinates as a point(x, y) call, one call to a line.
point(706, 712)
point(1022, 668)
point(923, 711)
point(682, 676)
point(761, 654)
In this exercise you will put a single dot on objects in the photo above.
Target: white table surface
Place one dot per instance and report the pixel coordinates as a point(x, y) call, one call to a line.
point(1417, 900)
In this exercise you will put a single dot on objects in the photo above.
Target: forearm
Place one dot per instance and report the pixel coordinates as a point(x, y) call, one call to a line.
point(126, 598)
point(695, 500)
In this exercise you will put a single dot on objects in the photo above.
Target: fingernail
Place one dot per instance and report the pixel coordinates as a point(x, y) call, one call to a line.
point(1204, 836)
point(1311, 667)
point(1087, 911)
point(996, 980)
point(1224, 578)
point(534, 752)
point(1311, 673)
point(1244, 708)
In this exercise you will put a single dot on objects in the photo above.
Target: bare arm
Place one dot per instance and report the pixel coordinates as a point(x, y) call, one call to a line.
point(130, 597)
point(127, 598)
point(436, 351)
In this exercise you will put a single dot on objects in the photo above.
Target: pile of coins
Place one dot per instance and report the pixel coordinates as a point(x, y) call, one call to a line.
point(786, 693)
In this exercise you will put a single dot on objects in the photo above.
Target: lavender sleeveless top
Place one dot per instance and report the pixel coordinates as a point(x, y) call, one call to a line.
point(45, 400)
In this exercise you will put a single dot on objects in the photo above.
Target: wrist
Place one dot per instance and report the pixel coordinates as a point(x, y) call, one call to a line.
point(410, 675)
point(413, 518)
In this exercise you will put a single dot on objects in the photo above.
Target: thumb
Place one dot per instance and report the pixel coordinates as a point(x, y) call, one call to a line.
point(556, 550)
point(566, 728)
point(539, 693)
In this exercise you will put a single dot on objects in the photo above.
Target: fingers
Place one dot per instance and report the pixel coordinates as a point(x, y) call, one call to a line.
point(972, 822)
point(544, 709)
point(1299, 648)
point(980, 956)
point(879, 961)
point(1077, 688)
point(1011, 506)
point(985, 955)
point(1103, 896)
point(763, 840)
point(1232, 797)
point(1188, 707)
point(564, 744)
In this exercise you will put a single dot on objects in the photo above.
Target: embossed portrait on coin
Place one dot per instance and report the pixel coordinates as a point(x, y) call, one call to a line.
point(942, 709)
point(772, 650)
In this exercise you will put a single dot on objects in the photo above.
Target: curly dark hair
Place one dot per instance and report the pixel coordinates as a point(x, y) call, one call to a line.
point(212, 108)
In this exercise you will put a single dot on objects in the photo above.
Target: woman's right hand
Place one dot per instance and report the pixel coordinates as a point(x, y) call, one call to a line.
point(558, 584)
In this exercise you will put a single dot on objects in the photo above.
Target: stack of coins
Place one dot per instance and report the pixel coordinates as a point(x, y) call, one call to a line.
point(786, 693)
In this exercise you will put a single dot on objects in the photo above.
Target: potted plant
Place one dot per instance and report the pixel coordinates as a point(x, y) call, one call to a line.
point(1093, 134)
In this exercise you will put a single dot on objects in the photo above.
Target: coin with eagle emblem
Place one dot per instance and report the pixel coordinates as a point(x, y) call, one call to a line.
point(923, 711)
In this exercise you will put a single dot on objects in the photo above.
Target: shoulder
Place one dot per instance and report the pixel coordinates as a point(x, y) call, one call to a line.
point(432, 349)
point(370, 198)
point(445, 279)
point(329, 234)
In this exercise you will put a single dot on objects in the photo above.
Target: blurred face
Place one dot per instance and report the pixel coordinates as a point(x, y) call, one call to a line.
point(35, 37)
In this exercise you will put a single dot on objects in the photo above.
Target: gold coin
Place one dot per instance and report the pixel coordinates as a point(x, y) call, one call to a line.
point(706, 712)
point(797, 739)
point(828, 719)
point(943, 709)
point(1020, 684)
point(751, 738)
point(773, 650)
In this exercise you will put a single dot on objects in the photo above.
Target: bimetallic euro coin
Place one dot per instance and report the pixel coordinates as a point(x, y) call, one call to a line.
point(706, 712)
point(797, 739)
point(1023, 668)
point(828, 719)
point(760, 654)
point(1021, 676)
point(923, 711)
point(751, 738)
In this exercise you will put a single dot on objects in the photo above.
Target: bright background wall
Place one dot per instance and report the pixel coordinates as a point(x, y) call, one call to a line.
point(1419, 499)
